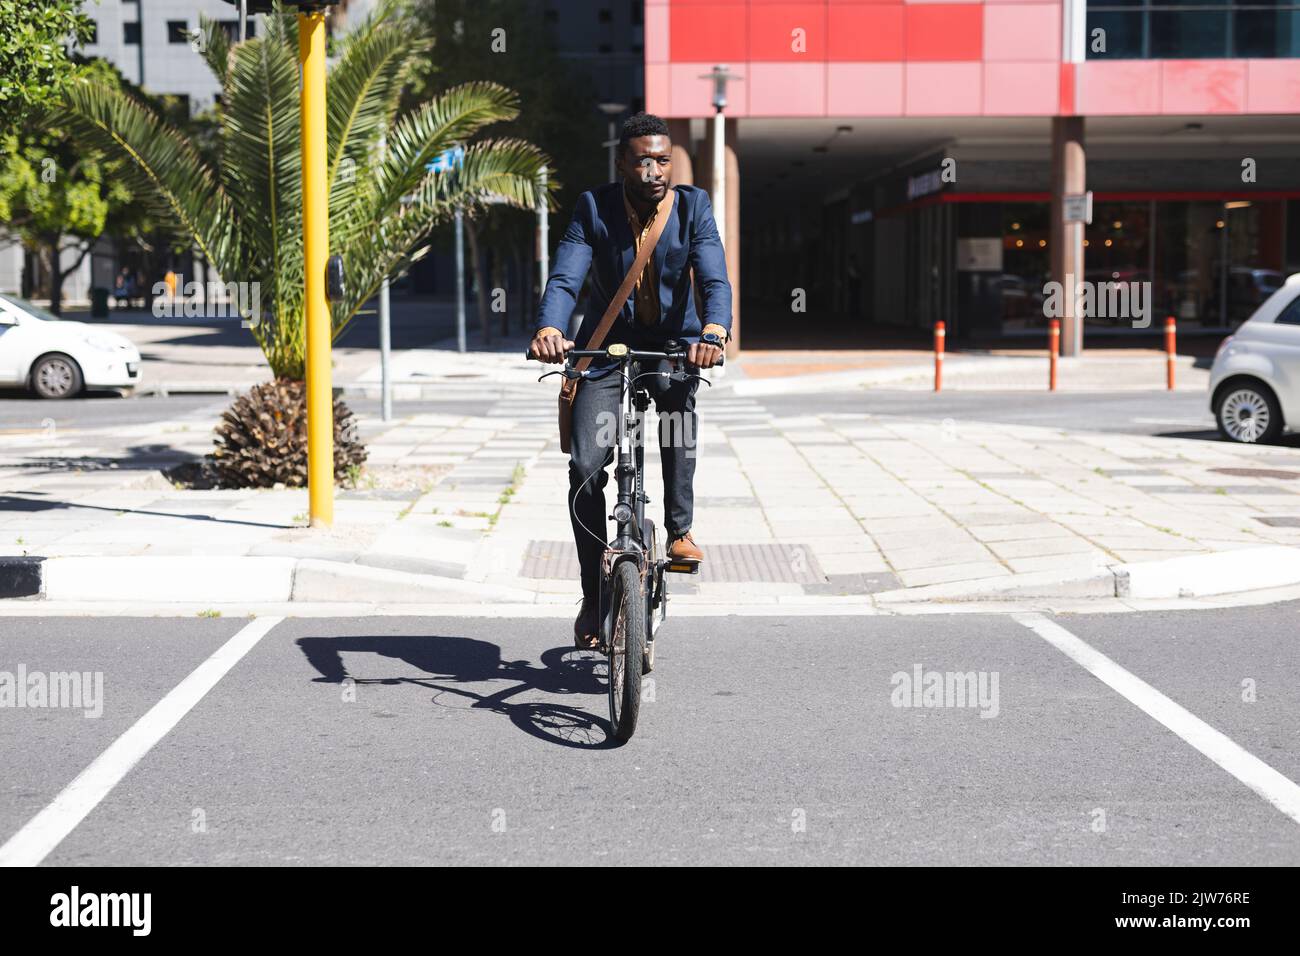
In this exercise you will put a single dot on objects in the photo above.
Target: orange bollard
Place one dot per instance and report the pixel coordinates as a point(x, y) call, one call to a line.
point(940, 333)
point(1171, 350)
point(1053, 351)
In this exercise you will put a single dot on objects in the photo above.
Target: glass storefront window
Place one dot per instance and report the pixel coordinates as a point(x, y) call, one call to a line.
point(1210, 263)
point(1266, 33)
point(1117, 248)
point(1121, 33)
point(1026, 265)
point(1192, 29)
point(1188, 33)
point(1189, 236)
point(1217, 262)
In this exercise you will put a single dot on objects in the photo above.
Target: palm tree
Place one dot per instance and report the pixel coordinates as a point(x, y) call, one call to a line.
point(243, 207)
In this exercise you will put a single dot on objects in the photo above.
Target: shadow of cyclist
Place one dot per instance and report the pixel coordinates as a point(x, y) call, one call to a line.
point(446, 662)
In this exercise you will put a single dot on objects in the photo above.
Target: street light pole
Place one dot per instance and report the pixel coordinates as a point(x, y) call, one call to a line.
point(612, 110)
point(316, 240)
point(139, 49)
point(460, 281)
point(720, 75)
point(385, 329)
point(543, 236)
point(611, 143)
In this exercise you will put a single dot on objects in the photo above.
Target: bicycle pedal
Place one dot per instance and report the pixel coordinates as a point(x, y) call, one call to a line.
point(682, 567)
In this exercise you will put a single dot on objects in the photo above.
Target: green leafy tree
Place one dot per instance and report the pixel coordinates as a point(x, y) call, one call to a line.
point(35, 64)
point(508, 41)
point(245, 211)
point(59, 195)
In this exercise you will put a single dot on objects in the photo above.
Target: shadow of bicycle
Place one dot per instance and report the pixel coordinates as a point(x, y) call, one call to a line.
point(448, 665)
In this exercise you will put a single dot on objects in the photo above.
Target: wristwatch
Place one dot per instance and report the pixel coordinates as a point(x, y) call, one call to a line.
point(712, 338)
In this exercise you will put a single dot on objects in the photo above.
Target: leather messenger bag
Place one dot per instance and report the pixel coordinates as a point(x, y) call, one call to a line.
point(569, 386)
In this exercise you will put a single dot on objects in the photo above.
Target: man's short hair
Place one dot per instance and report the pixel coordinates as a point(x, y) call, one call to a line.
point(640, 124)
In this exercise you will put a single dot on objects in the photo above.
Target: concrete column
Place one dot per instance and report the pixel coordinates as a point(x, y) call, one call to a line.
point(704, 174)
point(679, 131)
point(1066, 242)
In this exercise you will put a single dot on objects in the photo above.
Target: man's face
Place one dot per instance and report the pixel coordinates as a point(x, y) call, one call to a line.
point(647, 167)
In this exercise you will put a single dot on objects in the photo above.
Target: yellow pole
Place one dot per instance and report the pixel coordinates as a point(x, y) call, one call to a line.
point(316, 243)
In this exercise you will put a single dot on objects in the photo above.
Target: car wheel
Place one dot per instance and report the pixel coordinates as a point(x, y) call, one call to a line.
point(1248, 412)
point(56, 376)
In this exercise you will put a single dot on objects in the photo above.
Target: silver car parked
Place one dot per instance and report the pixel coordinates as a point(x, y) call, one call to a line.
point(1255, 381)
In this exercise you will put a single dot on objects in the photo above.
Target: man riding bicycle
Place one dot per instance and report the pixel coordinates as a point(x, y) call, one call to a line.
point(604, 237)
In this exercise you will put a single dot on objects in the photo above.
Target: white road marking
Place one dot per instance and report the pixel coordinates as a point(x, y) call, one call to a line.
point(34, 842)
point(1278, 790)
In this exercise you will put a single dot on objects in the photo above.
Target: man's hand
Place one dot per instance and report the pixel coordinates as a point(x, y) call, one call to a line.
point(703, 355)
point(550, 346)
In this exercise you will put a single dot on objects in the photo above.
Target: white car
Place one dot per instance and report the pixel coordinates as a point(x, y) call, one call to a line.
point(57, 358)
point(1255, 380)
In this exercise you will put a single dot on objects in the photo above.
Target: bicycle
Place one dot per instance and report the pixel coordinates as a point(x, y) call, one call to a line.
point(634, 596)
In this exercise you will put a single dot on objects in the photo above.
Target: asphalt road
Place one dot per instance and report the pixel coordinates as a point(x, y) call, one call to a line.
point(414, 323)
point(1178, 414)
point(392, 740)
point(19, 411)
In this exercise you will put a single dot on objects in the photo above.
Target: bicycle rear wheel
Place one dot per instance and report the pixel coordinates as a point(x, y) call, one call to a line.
point(627, 646)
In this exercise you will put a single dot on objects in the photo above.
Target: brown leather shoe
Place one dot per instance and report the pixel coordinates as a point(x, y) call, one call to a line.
point(684, 548)
point(586, 628)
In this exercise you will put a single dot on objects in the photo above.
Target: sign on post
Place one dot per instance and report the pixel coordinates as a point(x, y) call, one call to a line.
point(1078, 208)
point(447, 160)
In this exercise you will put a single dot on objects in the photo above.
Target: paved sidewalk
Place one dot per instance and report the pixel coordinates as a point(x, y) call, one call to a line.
point(1099, 370)
point(858, 504)
point(816, 509)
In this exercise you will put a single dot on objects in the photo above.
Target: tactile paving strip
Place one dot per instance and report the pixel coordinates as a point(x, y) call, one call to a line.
point(739, 563)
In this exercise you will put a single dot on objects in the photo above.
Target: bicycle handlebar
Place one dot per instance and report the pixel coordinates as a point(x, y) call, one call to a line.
point(628, 356)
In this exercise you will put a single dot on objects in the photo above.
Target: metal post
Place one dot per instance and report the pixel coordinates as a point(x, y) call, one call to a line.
point(385, 355)
point(720, 75)
point(940, 341)
point(243, 16)
point(385, 330)
point(1076, 328)
point(543, 238)
point(612, 143)
point(316, 242)
point(1171, 351)
point(1053, 352)
point(720, 174)
point(612, 110)
point(460, 281)
point(139, 50)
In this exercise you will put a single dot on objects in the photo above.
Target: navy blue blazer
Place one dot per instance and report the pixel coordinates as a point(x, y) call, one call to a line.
point(599, 239)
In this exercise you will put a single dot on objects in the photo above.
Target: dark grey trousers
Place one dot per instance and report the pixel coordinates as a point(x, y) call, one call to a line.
point(592, 449)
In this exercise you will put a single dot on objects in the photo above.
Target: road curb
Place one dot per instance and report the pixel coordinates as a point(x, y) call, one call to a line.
point(860, 378)
point(317, 580)
point(225, 579)
point(164, 389)
point(234, 578)
point(1037, 584)
point(1202, 575)
point(1186, 576)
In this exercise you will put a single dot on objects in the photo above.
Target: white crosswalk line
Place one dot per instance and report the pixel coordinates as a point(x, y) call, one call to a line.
point(45, 831)
point(1278, 790)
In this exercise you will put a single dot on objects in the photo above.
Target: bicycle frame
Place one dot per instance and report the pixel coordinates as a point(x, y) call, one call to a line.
point(629, 456)
point(629, 542)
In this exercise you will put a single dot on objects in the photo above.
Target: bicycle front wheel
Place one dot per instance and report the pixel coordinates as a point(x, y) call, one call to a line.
point(626, 650)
